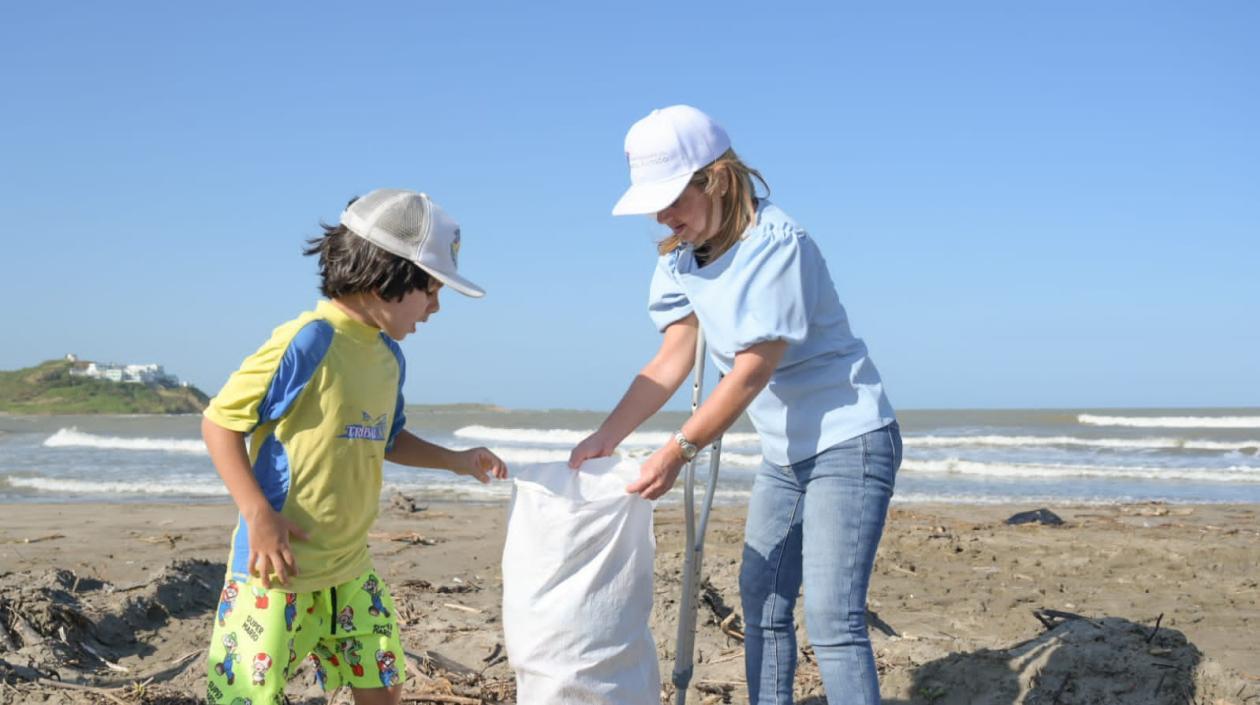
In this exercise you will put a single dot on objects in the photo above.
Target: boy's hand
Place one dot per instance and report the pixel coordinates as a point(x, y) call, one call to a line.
point(596, 445)
point(481, 463)
point(269, 550)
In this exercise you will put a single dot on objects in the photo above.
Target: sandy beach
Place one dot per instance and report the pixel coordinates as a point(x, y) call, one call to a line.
point(116, 600)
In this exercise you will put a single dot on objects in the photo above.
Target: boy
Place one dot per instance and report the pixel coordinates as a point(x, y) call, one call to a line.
point(322, 405)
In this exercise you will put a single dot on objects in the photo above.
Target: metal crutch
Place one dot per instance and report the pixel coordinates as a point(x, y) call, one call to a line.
point(693, 558)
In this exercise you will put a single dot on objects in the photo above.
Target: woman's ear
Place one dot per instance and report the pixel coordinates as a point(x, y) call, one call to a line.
point(720, 177)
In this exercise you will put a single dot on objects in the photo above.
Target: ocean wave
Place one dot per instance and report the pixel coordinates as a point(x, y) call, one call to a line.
point(1000, 499)
point(1171, 421)
point(1021, 470)
point(570, 437)
point(527, 456)
point(1042, 441)
point(64, 486)
point(74, 438)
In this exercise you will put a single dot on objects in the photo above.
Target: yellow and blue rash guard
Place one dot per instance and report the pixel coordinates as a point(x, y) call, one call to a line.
point(321, 402)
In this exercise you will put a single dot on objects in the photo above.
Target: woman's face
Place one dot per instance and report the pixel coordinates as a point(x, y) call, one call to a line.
point(693, 218)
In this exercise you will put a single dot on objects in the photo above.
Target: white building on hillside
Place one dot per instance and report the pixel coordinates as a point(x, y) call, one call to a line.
point(138, 374)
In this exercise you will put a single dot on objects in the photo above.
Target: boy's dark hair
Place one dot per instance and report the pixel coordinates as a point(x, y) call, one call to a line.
point(349, 264)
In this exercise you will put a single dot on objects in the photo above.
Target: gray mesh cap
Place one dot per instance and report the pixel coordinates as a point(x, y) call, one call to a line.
point(412, 226)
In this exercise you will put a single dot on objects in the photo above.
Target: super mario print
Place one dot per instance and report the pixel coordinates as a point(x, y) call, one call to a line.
point(262, 664)
point(261, 600)
point(290, 610)
point(373, 588)
point(227, 667)
point(321, 676)
point(227, 600)
point(345, 619)
point(350, 649)
point(387, 665)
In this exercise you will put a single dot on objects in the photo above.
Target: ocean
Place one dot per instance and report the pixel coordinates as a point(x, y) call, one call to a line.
point(988, 457)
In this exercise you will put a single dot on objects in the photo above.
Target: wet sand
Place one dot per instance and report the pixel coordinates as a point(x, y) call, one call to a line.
point(964, 608)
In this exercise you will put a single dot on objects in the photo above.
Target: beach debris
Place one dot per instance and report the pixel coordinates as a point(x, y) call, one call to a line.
point(718, 691)
point(1053, 618)
point(1080, 660)
point(495, 658)
point(873, 621)
point(1036, 516)
point(430, 697)
point(408, 537)
point(1155, 631)
point(439, 679)
point(58, 626)
point(405, 504)
point(726, 618)
point(426, 586)
point(166, 538)
point(37, 539)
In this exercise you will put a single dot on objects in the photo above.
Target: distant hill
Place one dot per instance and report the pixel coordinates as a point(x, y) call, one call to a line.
point(49, 388)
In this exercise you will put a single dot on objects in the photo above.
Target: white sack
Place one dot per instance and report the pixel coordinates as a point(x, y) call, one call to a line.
point(577, 586)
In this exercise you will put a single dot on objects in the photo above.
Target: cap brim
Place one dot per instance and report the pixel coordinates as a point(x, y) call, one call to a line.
point(643, 199)
point(457, 283)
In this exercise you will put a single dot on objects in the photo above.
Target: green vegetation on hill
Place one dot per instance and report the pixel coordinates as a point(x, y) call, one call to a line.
point(49, 388)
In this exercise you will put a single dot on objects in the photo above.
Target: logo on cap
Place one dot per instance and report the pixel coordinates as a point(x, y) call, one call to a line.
point(455, 248)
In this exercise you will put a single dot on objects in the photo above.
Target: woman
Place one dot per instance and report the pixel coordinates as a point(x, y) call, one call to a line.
point(739, 268)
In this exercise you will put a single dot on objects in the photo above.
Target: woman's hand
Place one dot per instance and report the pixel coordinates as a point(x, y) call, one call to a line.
point(269, 550)
point(596, 445)
point(480, 463)
point(658, 473)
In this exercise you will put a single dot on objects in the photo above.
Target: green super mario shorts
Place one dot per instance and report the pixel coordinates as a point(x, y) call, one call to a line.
point(350, 633)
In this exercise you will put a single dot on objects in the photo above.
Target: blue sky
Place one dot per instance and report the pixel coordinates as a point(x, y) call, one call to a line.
point(1036, 204)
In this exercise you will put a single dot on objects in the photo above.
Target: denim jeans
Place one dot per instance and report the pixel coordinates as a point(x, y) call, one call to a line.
point(820, 521)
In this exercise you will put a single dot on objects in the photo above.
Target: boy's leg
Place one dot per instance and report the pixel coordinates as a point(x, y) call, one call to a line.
point(364, 651)
point(258, 641)
point(377, 696)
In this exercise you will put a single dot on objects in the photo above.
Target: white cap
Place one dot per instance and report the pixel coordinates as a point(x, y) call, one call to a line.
point(664, 150)
point(412, 226)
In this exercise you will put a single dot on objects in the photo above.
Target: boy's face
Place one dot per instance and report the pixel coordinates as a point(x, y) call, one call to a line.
point(399, 318)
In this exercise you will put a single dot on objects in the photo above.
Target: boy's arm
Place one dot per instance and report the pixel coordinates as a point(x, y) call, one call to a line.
point(412, 450)
point(268, 530)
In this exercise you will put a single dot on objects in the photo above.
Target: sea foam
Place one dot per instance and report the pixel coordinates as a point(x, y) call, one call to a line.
point(1171, 421)
point(74, 438)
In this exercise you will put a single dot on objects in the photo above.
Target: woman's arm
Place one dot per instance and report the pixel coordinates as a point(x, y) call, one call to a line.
point(651, 388)
point(749, 375)
point(480, 463)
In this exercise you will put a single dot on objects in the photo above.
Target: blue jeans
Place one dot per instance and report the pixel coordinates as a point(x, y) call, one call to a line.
point(819, 520)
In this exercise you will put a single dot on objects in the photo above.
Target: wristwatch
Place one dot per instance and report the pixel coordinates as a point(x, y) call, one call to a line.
point(689, 449)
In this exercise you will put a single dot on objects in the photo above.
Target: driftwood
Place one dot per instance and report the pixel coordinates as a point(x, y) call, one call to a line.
point(1154, 631)
point(726, 618)
point(408, 537)
point(441, 698)
point(1053, 618)
point(37, 539)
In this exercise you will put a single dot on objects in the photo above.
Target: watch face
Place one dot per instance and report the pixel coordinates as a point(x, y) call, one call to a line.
point(689, 449)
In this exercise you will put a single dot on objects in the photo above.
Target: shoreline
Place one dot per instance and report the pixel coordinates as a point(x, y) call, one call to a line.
point(956, 585)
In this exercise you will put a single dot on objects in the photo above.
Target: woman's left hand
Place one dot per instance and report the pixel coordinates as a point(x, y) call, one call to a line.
point(658, 473)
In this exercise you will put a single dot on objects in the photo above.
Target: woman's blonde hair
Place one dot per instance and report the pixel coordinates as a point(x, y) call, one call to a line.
point(729, 181)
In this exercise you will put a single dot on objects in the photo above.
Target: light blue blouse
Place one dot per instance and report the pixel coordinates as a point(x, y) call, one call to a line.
point(774, 285)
